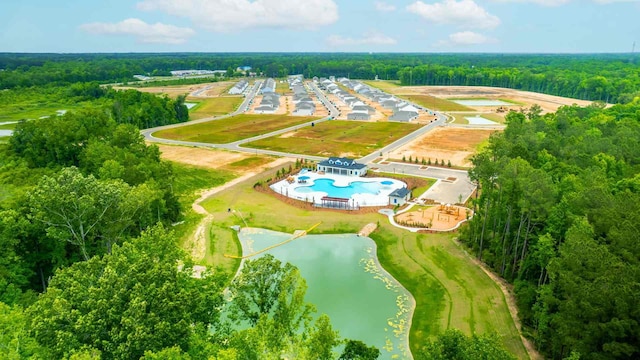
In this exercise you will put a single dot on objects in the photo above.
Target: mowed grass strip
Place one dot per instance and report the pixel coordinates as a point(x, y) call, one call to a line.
point(435, 103)
point(231, 129)
point(337, 138)
point(389, 86)
point(449, 289)
point(215, 106)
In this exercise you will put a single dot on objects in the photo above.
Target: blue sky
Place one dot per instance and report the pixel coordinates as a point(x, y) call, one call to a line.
point(551, 26)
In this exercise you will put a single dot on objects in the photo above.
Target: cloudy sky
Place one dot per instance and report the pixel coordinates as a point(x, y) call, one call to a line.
point(565, 26)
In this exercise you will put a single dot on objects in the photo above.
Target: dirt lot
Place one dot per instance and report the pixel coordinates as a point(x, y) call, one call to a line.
point(524, 99)
point(212, 89)
point(445, 143)
point(213, 159)
point(436, 217)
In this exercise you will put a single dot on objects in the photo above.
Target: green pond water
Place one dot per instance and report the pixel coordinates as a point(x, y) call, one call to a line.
point(346, 282)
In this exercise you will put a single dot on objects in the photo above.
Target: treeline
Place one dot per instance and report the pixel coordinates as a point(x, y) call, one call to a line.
point(607, 77)
point(558, 215)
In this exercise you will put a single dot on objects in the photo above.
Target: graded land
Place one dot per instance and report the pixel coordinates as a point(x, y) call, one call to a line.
point(337, 138)
point(211, 89)
point(445, 143)
point(231, 129)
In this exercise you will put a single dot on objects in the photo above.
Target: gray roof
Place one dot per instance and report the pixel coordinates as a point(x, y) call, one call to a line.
point(403, 116)
point(343, 163)
point(401, 193)
point(358, 116)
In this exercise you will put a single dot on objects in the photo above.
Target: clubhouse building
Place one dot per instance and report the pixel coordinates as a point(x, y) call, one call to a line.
point(342, 166)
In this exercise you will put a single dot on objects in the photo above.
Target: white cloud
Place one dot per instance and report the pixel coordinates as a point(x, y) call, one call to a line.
point(464, 13)
point(562, 2)
point(231, 15)
point(147, 33)
point(384, 7)
point(467, 38)
point(370, 38)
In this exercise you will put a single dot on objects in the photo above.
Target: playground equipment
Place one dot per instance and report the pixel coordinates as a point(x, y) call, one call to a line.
point(301, 234)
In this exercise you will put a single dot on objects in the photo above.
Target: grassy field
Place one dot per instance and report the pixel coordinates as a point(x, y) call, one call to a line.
point(450, 291)
point(338, 138)
point(8, 126)
point(189, 180)
point(232, 129)
point(215, 106)
point(385, 85)
point(459, 118)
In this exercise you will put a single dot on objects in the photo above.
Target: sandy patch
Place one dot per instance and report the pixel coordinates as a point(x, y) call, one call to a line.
point(439, 217)
point(549, 103)
point(444, 143)
point(208, 158)
point(173, 91)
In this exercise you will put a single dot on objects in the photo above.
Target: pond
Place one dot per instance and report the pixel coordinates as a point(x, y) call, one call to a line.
point(346, 282)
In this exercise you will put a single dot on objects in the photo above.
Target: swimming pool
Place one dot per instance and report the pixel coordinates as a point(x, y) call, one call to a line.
point(328, 186)
point(312, 187)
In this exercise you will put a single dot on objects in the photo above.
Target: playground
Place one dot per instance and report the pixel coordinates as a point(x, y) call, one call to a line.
point(438, 217)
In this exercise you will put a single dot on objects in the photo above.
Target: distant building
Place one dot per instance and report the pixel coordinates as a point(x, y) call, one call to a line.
point(239, 87)
point(342, 166)
point(404, 116)
point(358, 116)
point(399, 196)
point(269, 86)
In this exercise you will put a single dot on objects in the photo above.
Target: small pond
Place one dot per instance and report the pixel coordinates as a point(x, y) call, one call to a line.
point(346, 282)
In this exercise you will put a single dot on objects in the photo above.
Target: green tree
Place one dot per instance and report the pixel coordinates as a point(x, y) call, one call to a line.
point(454, 345)
point(357, 350)
point(134, 300)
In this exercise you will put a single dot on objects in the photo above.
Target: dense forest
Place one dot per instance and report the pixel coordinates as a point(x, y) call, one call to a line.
point(558, 215)
point(607, 77)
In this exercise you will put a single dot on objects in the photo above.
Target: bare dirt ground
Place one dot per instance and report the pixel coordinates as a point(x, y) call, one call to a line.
point(549, 103)
point(445, 143)
point(208, 158)
point(436, 217)
point(213, 89)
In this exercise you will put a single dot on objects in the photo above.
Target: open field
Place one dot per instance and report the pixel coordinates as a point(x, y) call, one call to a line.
point(385, 85)
point(445, 143)
point(215, 106)
point(212, 158)
point(232, 129)
point(213, 89)
point(450, 291)
point(337, 138)
point(519, 99)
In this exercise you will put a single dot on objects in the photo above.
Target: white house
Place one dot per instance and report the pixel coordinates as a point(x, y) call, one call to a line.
point(342, 166)
point(399, 196)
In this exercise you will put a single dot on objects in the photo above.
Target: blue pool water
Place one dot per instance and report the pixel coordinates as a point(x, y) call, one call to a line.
point(327, 186)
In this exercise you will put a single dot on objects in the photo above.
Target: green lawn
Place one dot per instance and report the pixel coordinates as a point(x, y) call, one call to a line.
point(389, 86)
point(8, 126)
point(232, 129)
point(450, 290)
point(338, 138)
point(215, 106)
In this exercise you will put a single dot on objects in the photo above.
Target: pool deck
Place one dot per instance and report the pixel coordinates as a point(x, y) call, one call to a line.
point(284, 187)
